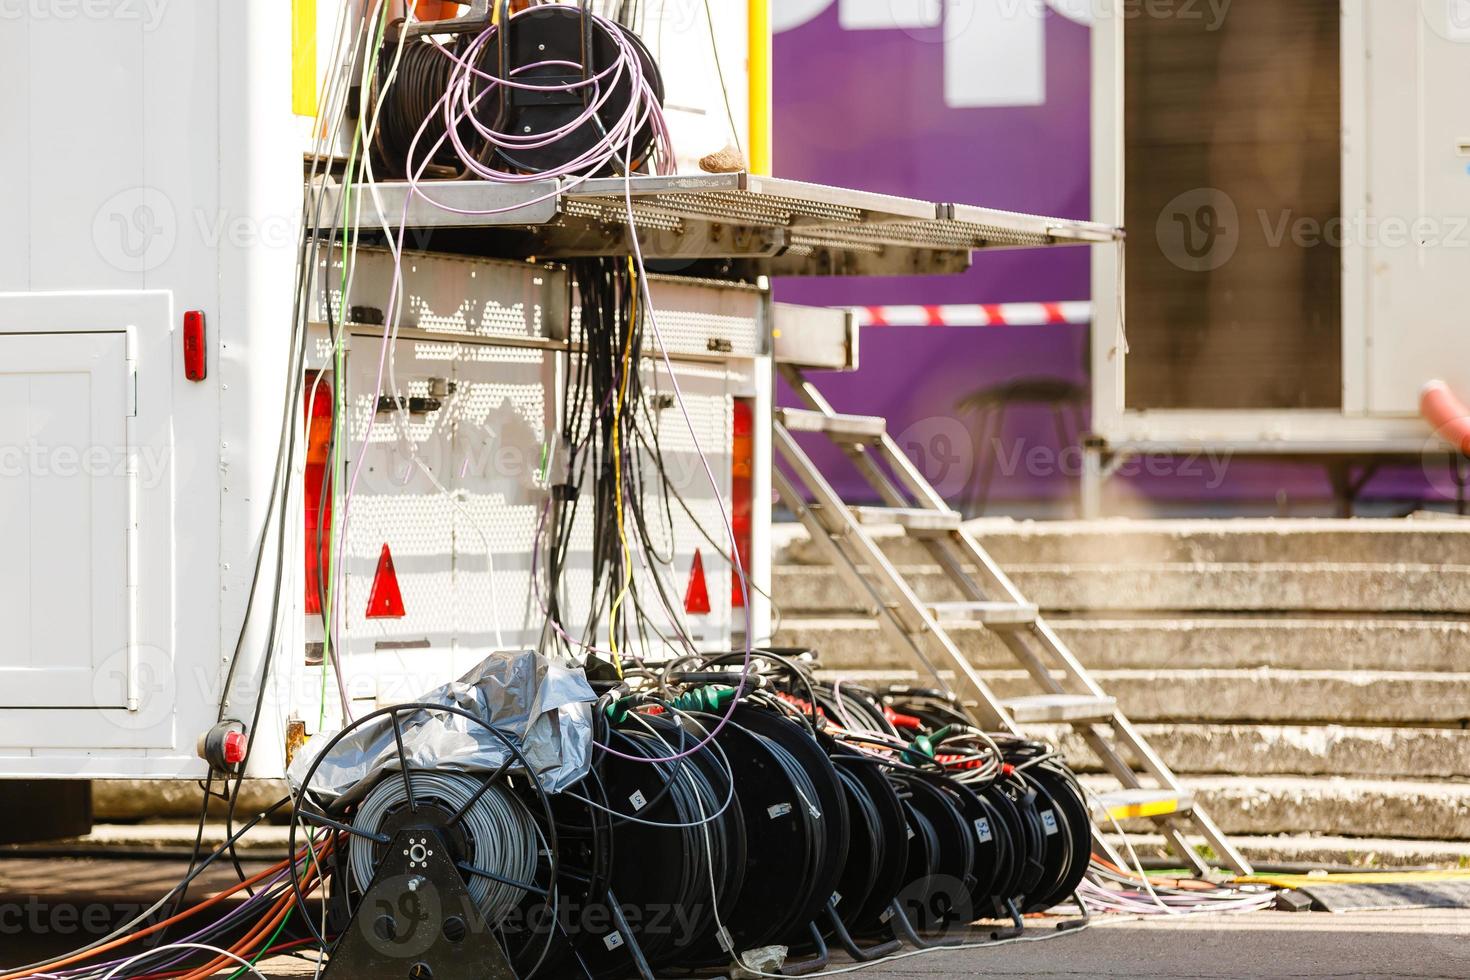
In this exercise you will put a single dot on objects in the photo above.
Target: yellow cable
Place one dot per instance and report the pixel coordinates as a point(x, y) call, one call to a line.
point(1354, 878)
point(612, 625)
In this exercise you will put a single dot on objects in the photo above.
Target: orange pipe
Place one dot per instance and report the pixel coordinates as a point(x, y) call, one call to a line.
point(1444, 410)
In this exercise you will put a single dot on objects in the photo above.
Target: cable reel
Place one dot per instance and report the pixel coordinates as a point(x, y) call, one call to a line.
point(554, 89)
point(435, 862)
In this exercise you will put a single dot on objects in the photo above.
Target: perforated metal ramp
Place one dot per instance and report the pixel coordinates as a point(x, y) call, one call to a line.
point(785, 227)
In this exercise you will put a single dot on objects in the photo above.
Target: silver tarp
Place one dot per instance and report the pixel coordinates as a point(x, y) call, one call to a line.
point(543, 708)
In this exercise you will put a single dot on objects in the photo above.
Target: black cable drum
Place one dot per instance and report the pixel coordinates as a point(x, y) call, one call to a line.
point(544, 47)
point(886, 842)
point(414, 103)
point(1073, 837)
point(659, 869)
point(827, 813)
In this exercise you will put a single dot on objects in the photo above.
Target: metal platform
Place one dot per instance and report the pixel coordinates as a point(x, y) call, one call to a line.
point(785, 227)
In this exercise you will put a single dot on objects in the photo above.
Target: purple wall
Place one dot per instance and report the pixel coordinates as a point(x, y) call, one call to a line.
point(866, 109)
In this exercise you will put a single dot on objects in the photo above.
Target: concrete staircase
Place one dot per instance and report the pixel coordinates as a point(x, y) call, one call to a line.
point(1309, 679)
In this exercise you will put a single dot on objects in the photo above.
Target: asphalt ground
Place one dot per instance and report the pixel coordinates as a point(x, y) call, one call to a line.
point(50, 906)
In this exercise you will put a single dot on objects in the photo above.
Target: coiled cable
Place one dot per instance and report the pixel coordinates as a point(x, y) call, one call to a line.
point(498, 834)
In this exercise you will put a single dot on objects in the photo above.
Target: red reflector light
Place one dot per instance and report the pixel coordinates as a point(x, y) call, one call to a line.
point(317, 489)
point(742, 490)
point(385, 601)
point(696, 596)
point(234, 748)
point(196, 361)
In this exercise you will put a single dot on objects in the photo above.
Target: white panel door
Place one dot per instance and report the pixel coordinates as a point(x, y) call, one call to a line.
point(63, 520)
point(1416, 233)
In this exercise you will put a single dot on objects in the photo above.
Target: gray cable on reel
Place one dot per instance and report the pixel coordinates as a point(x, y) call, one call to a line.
point(499, 833)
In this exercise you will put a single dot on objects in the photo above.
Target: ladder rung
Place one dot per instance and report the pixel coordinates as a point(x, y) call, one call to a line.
point(994, 614)
point(1137, 804)
point(913, 519)
point(860, 428)
point(1056, 708)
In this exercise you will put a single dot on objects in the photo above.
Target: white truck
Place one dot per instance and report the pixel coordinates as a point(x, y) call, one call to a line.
point(218, 443)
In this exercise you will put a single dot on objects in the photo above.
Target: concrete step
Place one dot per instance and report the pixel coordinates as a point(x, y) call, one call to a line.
point(1289, 750)
point(1265, 805)
point(1315, 851)
point(1266, 696)
point(1356, 589)
point(1182, 644)
point(1017, 543)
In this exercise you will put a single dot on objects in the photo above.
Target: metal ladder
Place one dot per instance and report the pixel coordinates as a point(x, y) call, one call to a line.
point(1070, 696)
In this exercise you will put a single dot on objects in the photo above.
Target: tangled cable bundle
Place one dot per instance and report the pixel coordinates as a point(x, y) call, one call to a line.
point(551, 91)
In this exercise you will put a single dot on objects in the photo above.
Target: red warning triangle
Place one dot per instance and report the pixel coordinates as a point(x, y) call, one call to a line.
point(696, 596)
point(385, 601)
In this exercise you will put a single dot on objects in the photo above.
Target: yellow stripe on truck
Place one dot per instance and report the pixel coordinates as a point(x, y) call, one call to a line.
point(303, 57)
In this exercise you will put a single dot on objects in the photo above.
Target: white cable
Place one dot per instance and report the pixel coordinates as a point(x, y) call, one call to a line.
point(201, 946)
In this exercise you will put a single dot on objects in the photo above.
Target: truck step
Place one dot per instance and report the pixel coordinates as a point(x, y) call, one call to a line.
point(917, 519)
point(996, 615)
point(1045, 709)
point(845, 428)
point(1138, 804)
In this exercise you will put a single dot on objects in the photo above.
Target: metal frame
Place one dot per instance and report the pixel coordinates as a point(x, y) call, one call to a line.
point(1120, 431)
point(918, 627)
point(784, 227)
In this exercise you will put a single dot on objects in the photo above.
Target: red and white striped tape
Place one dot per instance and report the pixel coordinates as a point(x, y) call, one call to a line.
point(975, 315)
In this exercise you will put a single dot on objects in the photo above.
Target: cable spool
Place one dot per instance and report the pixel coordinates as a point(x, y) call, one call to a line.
point(662, 810)
point(1070, 848)
point(413, 108)
point(496, 834)
point(463, 828)
point(886, 841)
point(585, 840)
point(555, 83)
point(822, 789)
point(942, 897)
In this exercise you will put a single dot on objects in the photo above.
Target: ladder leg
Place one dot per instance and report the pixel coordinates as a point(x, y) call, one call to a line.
point(908, 621)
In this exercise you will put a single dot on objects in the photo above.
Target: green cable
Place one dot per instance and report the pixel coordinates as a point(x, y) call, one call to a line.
point(339, 373)
point(268, 944)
